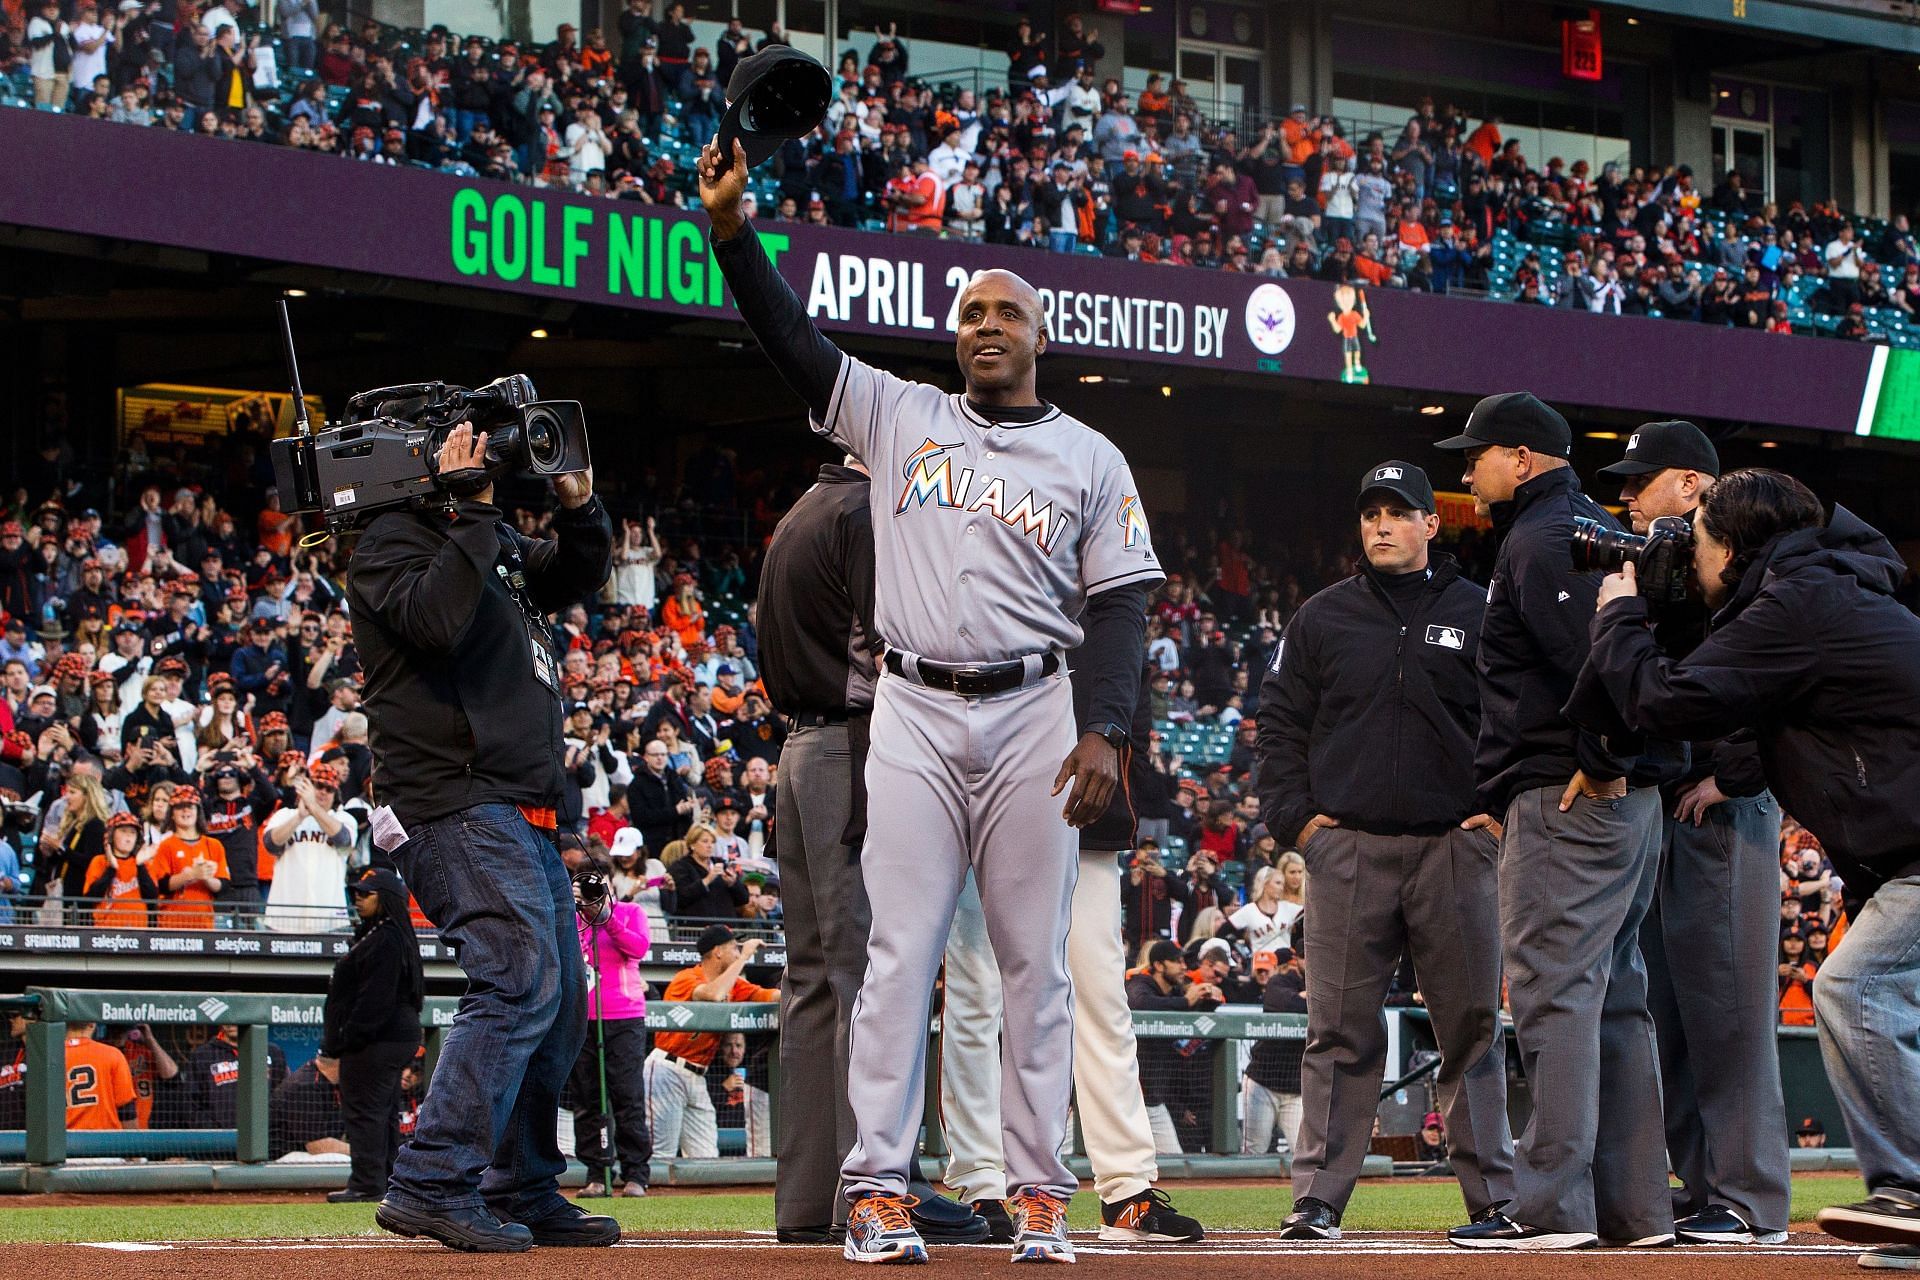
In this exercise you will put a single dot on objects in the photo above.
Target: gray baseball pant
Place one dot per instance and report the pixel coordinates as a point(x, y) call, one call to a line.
point(954, 783)
point(1574, 889)
point(1370, 898)
point(826, 929)
point(1711, 946)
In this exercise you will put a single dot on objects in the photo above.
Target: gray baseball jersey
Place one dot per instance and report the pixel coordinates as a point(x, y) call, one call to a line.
point(988, 537)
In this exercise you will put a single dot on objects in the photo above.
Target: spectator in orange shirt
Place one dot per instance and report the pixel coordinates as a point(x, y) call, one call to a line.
point(679, 1108)
point(277, 529)
point(1155, 108)
point(1485, 141)
point(99, 1082)
point(727, 693)
point(126, 893)
point(1796, 979)
point(682, 613)
point(596, 60)
point(190, 866)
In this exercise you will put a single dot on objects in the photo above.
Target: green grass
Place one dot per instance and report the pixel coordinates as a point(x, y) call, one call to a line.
point(1425, 1205)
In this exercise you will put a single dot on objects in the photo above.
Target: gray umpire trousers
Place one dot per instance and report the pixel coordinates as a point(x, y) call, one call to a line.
point(1574, 889)
point(1711, 945)
point(1369, 898)
point(827, 918)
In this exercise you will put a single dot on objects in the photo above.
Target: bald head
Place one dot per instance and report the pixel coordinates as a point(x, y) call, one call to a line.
point(1003, 331)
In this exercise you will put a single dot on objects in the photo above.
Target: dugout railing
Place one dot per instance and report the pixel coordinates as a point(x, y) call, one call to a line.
point(1215, 1045)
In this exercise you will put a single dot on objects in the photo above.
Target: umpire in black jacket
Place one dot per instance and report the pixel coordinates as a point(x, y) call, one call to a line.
point(1711, 938)
point(463, 700)
point(372, 1027)
point(1367, 721)
point(1579, 853)
point(1812, 652)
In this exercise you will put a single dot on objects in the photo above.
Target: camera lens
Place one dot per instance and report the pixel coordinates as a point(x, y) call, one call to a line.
point(1598, 549)
point(543, 438)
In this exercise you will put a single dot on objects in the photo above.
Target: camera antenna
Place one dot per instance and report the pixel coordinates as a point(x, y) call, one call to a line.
point(300, 424)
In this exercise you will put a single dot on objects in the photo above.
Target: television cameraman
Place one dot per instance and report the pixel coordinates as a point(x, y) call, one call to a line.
point(464, 703)
point(1810, 650)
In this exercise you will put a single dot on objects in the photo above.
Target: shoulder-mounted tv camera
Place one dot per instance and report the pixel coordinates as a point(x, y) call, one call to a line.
point(383, 452)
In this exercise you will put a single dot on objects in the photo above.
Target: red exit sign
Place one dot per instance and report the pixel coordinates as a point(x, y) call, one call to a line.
point(1580, 53)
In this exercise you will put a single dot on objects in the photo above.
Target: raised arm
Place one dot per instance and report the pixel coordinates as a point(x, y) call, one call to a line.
point(808, 362)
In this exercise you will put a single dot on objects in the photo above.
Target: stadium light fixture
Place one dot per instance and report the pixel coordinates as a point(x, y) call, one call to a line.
point(1433, 410)
point(295, 293)
point(538, 333)
point(1601, 435)
point(1091, 378)
point(1769, 444)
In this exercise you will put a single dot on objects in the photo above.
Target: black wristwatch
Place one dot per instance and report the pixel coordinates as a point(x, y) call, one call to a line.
point(1115, 735)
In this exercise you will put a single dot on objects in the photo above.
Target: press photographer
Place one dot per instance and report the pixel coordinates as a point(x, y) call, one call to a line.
point(1812, 653)
point(449, 605)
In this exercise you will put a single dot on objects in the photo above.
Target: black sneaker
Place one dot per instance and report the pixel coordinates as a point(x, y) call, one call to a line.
point(1498, 1231)
point(1892, 1257)
point(1147, 1216)
point(999, 1221)
point(1498, 1206)
point(1890, 1215)
point(1311, 1219)
point(571, 1227)
point(473, 1230)
point(1717, 1224)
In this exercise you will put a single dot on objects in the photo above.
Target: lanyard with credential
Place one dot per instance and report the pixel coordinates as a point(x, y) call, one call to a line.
point(513, 577)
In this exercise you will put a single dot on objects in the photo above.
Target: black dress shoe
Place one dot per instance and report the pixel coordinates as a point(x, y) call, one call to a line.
point(941, 1220)
point(834, 1234)
point(471, 1230)
point(350, 1196)
point(572, 1227)
point(1311, 1219)
point(999, 1221)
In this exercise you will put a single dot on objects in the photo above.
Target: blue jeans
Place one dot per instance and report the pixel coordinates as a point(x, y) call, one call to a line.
point(1867, 1002)
point(497, 890)
point(464, 121)
point(1062, 241)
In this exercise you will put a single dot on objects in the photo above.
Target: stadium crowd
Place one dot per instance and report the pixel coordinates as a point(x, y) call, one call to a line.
point(1057, 160)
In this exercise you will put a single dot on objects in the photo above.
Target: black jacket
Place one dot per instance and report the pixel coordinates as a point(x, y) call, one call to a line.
point(1160, 1057)
point(652, 803)
point(374, 997)
point(1370, 709)
point(458, 717)
point(1815, 655)
point(1276, 1063)
point(1533, 640)
point(699, 900)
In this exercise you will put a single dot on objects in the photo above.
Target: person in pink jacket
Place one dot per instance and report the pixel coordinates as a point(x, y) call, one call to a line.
point(614, 938)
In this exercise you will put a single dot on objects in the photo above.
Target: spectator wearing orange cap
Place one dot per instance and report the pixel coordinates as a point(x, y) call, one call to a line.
point(124, 892)
point(189, 866)
point(311, 840)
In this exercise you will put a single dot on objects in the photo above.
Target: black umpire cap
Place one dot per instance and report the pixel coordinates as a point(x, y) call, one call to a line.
point(1402, 479)
point(773, 95)
point(714, 935)
point(1659, 446)
point(1513, 419)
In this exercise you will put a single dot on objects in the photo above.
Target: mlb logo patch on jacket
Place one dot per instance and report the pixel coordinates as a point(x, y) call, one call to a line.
point(1446, 637)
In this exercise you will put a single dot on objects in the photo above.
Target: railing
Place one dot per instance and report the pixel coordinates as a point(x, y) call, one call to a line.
point(47, 1142)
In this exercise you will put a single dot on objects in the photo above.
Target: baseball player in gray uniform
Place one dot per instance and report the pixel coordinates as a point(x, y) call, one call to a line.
point(1106, 1065)
point(1005, 534)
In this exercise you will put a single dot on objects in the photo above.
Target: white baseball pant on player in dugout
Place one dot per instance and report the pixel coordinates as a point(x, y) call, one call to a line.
point(1106, 1070)
point(958, 784)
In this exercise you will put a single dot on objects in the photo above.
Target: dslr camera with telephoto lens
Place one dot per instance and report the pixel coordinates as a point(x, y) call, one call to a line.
point(1662, 560)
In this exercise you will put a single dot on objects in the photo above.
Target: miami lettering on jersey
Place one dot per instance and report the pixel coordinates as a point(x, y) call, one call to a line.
point(931, 478)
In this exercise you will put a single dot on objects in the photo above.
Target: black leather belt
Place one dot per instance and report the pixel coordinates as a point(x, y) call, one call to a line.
point(819, 719)
point(971, 679)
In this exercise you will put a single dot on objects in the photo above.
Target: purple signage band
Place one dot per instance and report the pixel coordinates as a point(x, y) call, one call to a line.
point(117, 181)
